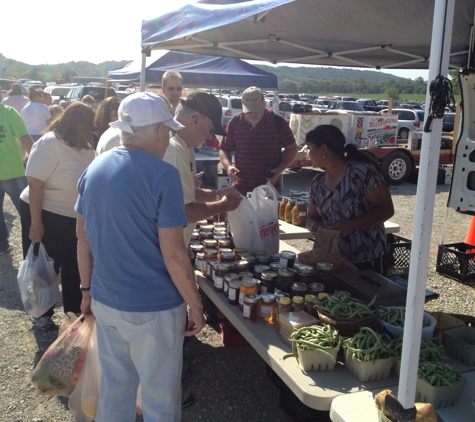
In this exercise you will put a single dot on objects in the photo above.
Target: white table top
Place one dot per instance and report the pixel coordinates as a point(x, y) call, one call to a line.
point(289, 231)
point(360, 407)
point(203, 157)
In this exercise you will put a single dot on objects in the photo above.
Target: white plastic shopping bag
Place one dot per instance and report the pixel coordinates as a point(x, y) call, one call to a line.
point(38, 282)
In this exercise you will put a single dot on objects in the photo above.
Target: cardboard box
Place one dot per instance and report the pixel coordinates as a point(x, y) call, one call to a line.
point(381, 129)
point(460, 344)
point(445, 322)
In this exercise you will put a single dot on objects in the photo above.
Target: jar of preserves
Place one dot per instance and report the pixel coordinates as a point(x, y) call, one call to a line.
point(207, 228)
point(225, 243)
point(298, 289)
point(275, 266)
point(297, 304)
point(199, 260)
point(283, 306)
point(282, 205)
point(245, 274)
point(266, 311)
point(195, 237)
point(288, 211)
point(201, 223)
point(193, 250)
point(309, 304)
point(251, 260)
point(305, 274)
point(263, 259)
point(225, 250)
point(227, 279)
point(250, 307)
point(240, 266)
point(238, 252)
point(210, 244)
point(259, 269)
point(287, 259)
point(285, 278)
point(275, 257)
point(268, 279)
point(212, 266)
point(218, 237)
point(316, 288)
point(325, 276)
point(219, 274)
point(205, 235)
point(227, 257)
point(249, 286)
point(219, 224)
point(299, 213)
point(233, 292)
point(208, 254)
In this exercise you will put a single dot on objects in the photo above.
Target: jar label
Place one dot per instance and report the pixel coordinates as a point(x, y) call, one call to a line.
point(241, 298)
point(218, 282)
point(283, 262)
point(266, 311)
point(246, 311)
point(232, 294)
point(302, 214)
point(226, 287)
point(198, 263)
point(263, 289)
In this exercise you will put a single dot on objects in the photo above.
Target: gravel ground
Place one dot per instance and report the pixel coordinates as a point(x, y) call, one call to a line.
point(229, 383)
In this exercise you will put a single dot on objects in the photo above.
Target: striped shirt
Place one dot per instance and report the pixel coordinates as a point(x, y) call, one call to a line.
point(257, 148)
point(347, 202)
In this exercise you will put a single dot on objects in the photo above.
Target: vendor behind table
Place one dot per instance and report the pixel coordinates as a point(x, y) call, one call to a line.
point(350, 195)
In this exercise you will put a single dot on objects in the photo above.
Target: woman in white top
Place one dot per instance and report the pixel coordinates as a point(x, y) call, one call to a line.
point(15, 98)
point(36, 115)
point(47, 213)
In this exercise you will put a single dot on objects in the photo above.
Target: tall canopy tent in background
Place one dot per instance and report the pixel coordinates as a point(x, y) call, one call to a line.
point(198, 71)
point(357, 33)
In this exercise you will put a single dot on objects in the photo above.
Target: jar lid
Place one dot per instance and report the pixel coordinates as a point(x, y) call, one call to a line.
point(207, 227)
point(316, 287)
point(219, 224)
point(288, 254)
point(202, 222)
point(239, 250)
point(285, 300)
point(206, 233)
point(261, 268)
point(214, 262)
point(231, 277)
point(245, 254)
point(263, 258)
point(250, 298)
point(268, 275)
point(245, 274)
point(286, 272)
point(305, 269)
point(310, 298)
point(218, 237)
point(210, 242)
point(211, 252)
point(274, 266)
point(297, 299)
point(301, 287)
point(251, 258)
point(220, 230)
point(200, 255)
point(195, 235)
point(267, 297)
point(225, 250)
point(234, 284)
point(225, 242)
point(260, 252)
point(326, 266)
point(196, 247)
point(224, 267)
point(227, 255)
point(250, 281)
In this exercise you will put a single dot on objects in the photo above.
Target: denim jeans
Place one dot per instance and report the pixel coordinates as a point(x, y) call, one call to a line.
point(145, 348)
point(12, 187)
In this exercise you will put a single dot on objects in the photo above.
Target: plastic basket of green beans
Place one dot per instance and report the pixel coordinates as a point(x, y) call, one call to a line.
point(393, 319)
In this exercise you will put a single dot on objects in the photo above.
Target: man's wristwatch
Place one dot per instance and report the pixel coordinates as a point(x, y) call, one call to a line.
point(84, 289)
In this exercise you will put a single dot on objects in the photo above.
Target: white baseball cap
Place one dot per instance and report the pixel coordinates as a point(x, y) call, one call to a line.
point(143, 109)
point(252, 100)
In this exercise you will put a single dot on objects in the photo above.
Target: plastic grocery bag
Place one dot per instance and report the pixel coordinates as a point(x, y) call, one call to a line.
point(85, 397)
point(265, 201)
point(59, 370)
point(38, 282)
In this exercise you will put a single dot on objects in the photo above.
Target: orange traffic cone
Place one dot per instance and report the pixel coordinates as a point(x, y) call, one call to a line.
point(470, 239)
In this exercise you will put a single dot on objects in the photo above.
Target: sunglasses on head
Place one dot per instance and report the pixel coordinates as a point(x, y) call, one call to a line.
point(172, 88)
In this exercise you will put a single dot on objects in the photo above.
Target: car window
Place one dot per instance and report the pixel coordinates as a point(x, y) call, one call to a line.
point(59, 90)
point(224, 102)
point(449, 118)
point(285, 107)
point(421, 115)
point(406, 115)
point(236, 103)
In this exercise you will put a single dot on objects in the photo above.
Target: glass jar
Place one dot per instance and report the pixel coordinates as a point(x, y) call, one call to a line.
point(238, 252)
point(275, 257)
point(219, 224)
point(227, 279)
point(285, 278)
point(207, 228)
point(297, 304)
point(225, 243)
point(219, 274)
point(210, 244)
point(249, 286)
point(268, 279)
point(259, 269)
point(199, 261)
point(325, 276)
point(288, 211)
point(200, 223)
point(251, 260)
point(266, 311)
point(208, 254)
point(275, 266)
point(212, 266)
point(195, 237)
point(287, 259)
point(240, 266)
point(250, 307)
point(233, 292)
point(298, 289)
point(205, 235)
point(283, 306)
point(282, 205)
point(316, 288)
point(227, 257)
point(305, 274)
point(193, 250)
point(263, 259)
point(299, 213)
point(245, 274)
point(218, 237)
point(309, 304)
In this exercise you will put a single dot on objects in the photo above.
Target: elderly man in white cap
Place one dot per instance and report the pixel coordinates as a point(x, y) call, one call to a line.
point(136, 274)
point(258, 136)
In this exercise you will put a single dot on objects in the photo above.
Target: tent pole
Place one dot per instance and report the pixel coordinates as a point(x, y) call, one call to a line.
point(424, 212)
point(142, 72)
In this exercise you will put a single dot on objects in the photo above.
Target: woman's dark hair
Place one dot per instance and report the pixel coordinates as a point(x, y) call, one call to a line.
point(15, 89)
point(335, 141)
point(74, 126)
point(103, 112)
point(34, 93)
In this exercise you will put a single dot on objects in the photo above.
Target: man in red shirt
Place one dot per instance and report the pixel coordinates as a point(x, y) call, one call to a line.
point(258, 136)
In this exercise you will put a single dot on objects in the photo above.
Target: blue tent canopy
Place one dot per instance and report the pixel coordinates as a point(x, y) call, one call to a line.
point(198, 71)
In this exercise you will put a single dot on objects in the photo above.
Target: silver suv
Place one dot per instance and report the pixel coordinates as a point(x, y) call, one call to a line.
point(231, 106)
point(408, 121)
point(6, 84)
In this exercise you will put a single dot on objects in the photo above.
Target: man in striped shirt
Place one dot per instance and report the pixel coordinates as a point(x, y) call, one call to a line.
point(258, 136)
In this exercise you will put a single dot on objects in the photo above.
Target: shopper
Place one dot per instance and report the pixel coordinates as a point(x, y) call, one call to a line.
point(15, 98)
point(172, 88)
point(36, 115)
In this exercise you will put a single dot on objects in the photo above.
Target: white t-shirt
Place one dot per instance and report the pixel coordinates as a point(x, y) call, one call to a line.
point(109, 139)
point(16, 101)
point(179, 156)
point(35, 116)
point(60, 167)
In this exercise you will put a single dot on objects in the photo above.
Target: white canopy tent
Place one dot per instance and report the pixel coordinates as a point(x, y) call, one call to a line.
point(406, 34)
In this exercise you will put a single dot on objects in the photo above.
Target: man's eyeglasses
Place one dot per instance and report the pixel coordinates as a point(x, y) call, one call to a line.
point(212, 131)
point(172, 88)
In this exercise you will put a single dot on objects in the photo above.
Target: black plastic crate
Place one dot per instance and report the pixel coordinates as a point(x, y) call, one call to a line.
point(396, 262)
point(457, 261)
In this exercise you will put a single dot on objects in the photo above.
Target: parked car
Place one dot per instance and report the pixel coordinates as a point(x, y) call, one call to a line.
point(122, 94)
point(231, 106)
point(97, 92)
point(370, 105)
point(322, 103)
point(408, 121)
point(448, 122)
point(350, 106)
point(57, 91)
point(6, 84)
point(301, 107)
point(413, 105)
point(30, 83)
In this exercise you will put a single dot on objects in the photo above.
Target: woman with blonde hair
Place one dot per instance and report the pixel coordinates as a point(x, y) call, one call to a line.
point(47, 213)
point(36, 115)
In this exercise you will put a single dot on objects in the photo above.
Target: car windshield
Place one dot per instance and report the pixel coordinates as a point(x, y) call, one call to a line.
point(236, 103)
point(60, 91)
point(97, 92)
point(354, 107)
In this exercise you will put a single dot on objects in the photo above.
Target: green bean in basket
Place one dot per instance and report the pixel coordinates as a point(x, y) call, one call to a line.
point(429, 350)
point(315, 337)
point(341, 304)
point(367, 345)
point(439, 374)
point(395, 315)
